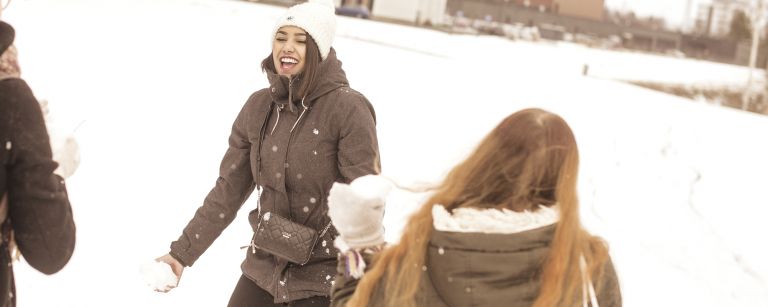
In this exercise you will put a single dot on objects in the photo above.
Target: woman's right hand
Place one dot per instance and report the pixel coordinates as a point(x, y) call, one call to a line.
point(176, 267)
point(357, 210)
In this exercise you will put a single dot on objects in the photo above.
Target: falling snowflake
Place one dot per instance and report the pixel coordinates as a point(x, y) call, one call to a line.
point(441, 251)
point(327, 251)
point(234, 166)
point(327, 277)
point(222, 215)
point(8, 145)
point(274, 148)
point(325, 243)
point(305, 209)
point(333, 282)
point(314, 152)
point(197, 236)
point(282, 283)
point(424, 268)
point(315, 131)
point(299, 176)
point(278, 175)
point(312, 200)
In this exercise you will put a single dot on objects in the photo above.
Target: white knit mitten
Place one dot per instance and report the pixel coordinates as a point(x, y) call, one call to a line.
point(357, 210)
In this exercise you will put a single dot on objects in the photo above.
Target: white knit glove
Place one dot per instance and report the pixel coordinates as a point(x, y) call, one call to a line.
point(357, 210)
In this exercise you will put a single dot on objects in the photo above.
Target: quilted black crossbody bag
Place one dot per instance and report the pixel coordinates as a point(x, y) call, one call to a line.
point(285, 239)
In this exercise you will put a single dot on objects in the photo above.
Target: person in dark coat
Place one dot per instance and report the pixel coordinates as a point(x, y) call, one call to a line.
point(34, 207)
point(503, 229)
point(293, 140)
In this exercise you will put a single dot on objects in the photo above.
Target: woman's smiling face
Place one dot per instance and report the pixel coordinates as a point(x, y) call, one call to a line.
point(289, 50)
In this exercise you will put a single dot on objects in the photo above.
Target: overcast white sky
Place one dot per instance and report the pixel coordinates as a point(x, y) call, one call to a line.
point(672, 10)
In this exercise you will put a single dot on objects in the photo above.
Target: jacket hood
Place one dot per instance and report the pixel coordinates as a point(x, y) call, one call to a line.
point(330, 76)
point(481, 266)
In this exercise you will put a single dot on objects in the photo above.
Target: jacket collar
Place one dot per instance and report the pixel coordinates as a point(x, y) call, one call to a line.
point(330, 76)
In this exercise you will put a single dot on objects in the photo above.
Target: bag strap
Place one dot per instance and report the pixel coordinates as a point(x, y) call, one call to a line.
point(259, 188)
point(262, 136)
point(589, 297)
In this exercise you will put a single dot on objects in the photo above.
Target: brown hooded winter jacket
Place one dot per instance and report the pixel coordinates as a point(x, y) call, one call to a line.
point(301, 157)
point(482, 269)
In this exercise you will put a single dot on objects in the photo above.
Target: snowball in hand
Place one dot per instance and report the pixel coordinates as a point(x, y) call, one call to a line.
point(159, 275)
point(371, 186)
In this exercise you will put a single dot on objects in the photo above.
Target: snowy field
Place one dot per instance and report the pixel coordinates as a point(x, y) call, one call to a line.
point(675, 186)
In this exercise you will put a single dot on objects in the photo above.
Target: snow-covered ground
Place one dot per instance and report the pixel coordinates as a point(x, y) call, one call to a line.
point(675, 186)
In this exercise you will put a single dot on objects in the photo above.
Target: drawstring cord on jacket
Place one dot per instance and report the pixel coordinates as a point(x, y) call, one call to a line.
point(304, 109)
point(290, 100)
point(588, 295)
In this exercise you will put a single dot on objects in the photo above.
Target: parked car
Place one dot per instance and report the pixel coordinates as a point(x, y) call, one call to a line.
point(358, 11)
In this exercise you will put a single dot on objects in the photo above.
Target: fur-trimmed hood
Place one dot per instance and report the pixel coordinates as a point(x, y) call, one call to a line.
point(493, 220)
point(485, 257)
point(480, 251)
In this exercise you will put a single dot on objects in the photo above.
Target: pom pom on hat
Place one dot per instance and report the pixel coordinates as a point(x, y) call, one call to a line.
point(317, 17)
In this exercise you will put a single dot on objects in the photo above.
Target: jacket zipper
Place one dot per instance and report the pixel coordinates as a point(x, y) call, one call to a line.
point(305, 108)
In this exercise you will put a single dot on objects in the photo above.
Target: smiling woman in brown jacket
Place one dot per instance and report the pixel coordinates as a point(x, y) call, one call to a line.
point(294, 139)
point(503, 229)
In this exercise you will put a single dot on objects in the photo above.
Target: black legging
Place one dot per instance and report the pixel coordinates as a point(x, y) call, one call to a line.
point(248, 294)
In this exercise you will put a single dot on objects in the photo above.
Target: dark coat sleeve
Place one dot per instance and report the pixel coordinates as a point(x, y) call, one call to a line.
point(358, 153)
point(608, 290)
point(39, 207)
point(232, 188)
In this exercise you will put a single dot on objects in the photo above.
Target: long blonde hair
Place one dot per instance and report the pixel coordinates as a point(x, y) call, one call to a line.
point(529, 159)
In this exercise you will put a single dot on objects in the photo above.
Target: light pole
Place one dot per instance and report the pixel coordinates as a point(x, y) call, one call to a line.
point(757, 18)
point(686, 18)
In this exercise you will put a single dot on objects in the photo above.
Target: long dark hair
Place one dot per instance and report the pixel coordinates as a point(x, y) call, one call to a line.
point(308, 78)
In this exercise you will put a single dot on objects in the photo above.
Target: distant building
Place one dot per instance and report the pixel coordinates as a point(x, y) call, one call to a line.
point(714, 19)
point(588, 9)
point(420, 12)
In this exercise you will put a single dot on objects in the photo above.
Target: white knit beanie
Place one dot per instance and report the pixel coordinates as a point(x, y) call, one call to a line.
point(317, 17)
